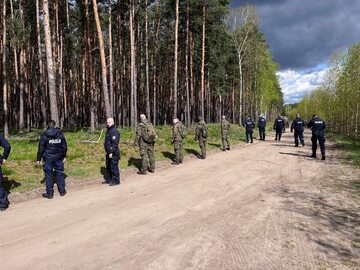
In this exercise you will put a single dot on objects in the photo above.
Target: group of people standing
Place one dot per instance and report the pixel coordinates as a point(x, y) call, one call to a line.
point(53, 147)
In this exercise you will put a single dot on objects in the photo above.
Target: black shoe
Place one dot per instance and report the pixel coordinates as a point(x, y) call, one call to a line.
point(313, 156)
point(303, 144)
point(223, 149)
point(142, 173)
point(62, 194)
point(106, 182)
point(151, 171)
point(47, 196)
point(4, 208)
point(228, 148)
point(251, 142)
point(296, 146)
point(323, 158)
point(114, 184)
point(175, 163)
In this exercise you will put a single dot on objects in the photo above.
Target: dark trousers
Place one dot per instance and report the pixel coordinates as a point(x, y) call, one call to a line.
point(299, 135)
point(112, 168)
point(262, 133)
point(49, 167)
point(249, 135)
point(321, 139)
point(4, 203)
point(278, 134)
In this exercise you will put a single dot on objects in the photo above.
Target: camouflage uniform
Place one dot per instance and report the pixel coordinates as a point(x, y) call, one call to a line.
point(225, 134)
point(177, 140)
point(146, 149)
point(200, 137)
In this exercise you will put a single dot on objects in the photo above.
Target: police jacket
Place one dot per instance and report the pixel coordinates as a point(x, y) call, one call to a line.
point(317, 126)
point(52, 145)
point(279, 123)
point(249, 125)
point(7, 148)
point(112, 140)
point(298, 125)
point(261, 122)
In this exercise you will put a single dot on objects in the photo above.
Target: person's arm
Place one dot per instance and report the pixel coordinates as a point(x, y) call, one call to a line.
point(7, 148)
point(114, 141)
point(64, 146)
point(41, 149)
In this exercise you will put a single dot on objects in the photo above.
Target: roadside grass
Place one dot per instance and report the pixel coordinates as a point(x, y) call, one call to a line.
point(351, 147)
point(87, 160)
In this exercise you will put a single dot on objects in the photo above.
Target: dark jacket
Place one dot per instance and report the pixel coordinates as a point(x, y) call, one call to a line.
point(317, 126)
point(112, 140)
point(7, 148)
point(279, 123)
point(249, 125)
point(52, 145)
point(262, 122)
point(298, 125)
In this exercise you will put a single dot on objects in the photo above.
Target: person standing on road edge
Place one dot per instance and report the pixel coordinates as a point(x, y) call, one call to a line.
point(178, 135)
point(145, 140)
point(278, 127)
point(317, 126)
point(111, 145)
point(4, 202)
point(53, 149)
point(298, 126)
point(249, 129)
point(201, 134)
point(225, 126)
point(262, 126)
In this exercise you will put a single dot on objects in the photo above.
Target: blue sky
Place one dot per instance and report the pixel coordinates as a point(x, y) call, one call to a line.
point(303, 34)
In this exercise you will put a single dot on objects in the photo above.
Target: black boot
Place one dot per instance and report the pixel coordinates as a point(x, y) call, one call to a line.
point(48, 196)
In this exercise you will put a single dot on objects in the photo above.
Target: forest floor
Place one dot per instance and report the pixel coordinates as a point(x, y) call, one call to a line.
point(266, 205)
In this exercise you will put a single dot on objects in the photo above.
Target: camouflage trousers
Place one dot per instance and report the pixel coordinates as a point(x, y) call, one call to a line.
point(202, 144)
point(178, 148)
point(225, 142)
point(147, 156)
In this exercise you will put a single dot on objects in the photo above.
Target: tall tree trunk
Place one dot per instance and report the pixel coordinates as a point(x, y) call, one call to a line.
point(111, 71)
point(147, 62)
point(203, 63)
point(4, 77)
point(41, 69)
point(104, 85)
point(176, 59)
point(192, 80)
point(155, 65)
point(187, 116)
point(50, 65)
point(241, 90)
point(133, 103)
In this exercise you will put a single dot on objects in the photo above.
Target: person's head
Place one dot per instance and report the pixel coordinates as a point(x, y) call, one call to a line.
point(110, 122)
point(314, 115)
point(51, 124)
point(175, 120)
point(142, 117)
point(200, 118)
point(223, 117)
point(297, 115)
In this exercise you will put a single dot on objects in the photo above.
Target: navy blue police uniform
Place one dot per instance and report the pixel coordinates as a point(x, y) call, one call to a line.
point(4, 202)
point(262, 125)
point(317, 126)
point(111, 146)
point(53, 149)
point(278, 127)
point(249, 128)
point(298, 127)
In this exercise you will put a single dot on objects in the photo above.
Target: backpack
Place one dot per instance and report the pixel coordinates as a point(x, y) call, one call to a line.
point(182, 131)
point(150, 133)
point(204, 132)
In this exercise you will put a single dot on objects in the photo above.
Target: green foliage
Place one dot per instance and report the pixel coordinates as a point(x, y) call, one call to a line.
point(86, 160)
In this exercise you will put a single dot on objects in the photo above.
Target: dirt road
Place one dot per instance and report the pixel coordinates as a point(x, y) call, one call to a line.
point(265, 205)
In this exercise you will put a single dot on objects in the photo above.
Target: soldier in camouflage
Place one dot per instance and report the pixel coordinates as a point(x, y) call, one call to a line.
point(225, 126)
point(146, 148)
point(178, 134)
point(201, 136)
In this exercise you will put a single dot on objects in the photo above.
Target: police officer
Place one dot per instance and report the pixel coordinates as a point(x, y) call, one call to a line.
point(146, 143)
point(52, 149)
point(278, 127)
point(4, 202)
point(262, 125)
point(178, 134)
point(112, 150)
point(317, 126)
point(298, 126)
point(225, 126)
point(249, 129)
point(201, 136)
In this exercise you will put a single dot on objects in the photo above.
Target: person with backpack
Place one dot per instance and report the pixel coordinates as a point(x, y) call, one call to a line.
point(225, 126)
point(4, 202)
point(145, 140)
point(178, 135)
point(201, 134)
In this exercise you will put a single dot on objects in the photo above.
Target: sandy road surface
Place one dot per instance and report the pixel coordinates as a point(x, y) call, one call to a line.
point(265, 205)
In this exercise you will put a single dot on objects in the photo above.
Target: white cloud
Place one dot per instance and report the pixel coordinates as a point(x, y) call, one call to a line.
point(295, 84)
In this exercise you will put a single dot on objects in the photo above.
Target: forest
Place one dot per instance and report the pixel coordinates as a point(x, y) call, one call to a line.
point(79, 62)
point(337, 99)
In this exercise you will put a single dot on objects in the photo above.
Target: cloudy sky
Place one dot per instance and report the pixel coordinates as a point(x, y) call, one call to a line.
point(303, 34)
